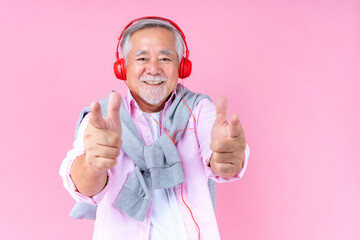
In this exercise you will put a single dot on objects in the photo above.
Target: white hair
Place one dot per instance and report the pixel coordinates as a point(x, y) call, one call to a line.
point(125, 42)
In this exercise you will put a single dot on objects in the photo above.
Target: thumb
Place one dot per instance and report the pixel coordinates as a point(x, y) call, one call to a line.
point(114, 108)
point(95, 116)
point(221, 110)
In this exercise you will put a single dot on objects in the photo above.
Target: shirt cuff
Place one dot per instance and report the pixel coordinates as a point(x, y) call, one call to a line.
point(219, 179)
point(70, 185)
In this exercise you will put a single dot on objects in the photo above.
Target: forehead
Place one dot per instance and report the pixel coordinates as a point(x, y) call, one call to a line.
point(153, 37)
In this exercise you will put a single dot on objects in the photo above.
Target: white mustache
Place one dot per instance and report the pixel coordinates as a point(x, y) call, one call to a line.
point(153, 78)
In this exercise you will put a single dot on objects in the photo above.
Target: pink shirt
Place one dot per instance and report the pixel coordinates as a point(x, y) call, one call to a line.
point(194, 150)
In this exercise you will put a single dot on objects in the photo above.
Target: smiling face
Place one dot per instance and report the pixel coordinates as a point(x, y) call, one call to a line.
point(152, 67)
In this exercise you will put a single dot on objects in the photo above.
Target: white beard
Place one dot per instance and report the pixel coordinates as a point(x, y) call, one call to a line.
point(153, 94)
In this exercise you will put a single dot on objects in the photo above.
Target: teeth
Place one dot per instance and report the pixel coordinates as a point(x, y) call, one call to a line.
point(153, 82)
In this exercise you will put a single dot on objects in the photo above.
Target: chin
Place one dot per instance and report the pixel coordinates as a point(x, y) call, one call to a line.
point(154, 95)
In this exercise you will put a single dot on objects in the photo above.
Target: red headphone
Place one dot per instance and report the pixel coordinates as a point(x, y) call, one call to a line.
point(120, 64)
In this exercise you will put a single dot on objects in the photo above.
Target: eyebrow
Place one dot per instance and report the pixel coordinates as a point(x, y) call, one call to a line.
point(140, 52)
point(166, 52)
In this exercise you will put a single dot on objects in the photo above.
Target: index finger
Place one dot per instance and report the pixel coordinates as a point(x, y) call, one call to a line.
point(114, 106)
point(221, 110)
point(95, 116)
point(235, 126)
point(236, 130)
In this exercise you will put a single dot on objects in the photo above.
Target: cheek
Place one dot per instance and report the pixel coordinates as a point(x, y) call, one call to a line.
point(132, 75)
point(173, 72)
point(136, 70)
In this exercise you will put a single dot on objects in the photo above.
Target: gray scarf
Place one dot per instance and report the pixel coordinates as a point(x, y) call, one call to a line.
point(158, 165)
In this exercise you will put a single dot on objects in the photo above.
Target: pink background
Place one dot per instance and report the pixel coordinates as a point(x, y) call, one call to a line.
point(291, 70)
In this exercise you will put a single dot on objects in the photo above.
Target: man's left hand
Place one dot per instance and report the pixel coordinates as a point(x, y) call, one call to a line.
point(227, 142)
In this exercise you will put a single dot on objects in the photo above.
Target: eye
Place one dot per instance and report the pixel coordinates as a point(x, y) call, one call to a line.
point(141, 59)
point(165, 59)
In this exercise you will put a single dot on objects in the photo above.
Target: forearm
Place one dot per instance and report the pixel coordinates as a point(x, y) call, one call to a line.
point(87, 181)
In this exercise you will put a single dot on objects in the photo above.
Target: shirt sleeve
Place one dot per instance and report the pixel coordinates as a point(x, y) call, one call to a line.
point(77, 150)
point(205, 113)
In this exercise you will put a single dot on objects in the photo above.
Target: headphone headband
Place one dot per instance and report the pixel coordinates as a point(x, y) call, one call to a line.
point(152, 17)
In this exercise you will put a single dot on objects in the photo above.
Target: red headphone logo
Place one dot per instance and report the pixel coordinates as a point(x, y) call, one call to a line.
point(120, 64)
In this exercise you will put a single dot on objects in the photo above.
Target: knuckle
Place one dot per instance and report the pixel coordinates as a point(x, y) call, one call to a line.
point(117, 152)
point(215, 145)
point(93, 164)
point(212, 146)
point(237, 155)
point(112, 153)
point(242, 156)
point(99, 164)
point(90, 156)
point(113, 163)
point(89, 145)
point(215, 157)
point(87, 134)
point(243, 146)
point(114, 139)
point(110, 163)
point(228, 170)
point(117, 140)
point(89, 131)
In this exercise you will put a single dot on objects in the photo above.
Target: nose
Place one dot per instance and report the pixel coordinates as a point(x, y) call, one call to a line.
point(153, 67)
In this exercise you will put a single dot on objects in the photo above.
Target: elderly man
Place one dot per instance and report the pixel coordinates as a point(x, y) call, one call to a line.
point(143, 165)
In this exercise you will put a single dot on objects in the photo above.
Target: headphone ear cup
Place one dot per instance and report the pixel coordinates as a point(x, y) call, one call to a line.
point(185, 68)
point(120, 69)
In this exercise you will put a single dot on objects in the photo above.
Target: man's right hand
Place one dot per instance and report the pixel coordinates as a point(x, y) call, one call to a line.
point(102, 136)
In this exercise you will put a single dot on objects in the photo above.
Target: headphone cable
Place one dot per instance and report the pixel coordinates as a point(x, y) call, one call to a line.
point(173, 140)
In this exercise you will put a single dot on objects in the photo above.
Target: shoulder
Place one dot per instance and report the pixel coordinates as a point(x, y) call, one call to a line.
point(204, 105)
